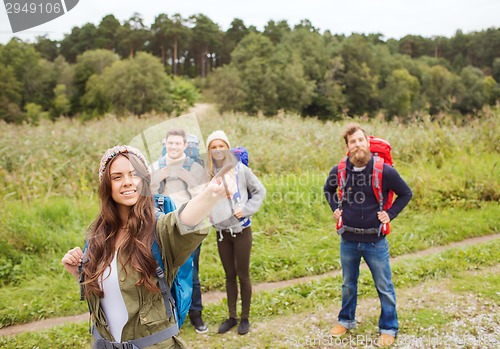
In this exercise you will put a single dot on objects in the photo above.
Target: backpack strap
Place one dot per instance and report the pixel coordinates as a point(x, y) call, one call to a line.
point(81, 277)
point(377, 175)
point(178, 294)
point(165, 292)
point(188, 162)
point(163, 185)
point(161, 207)
point(144, 342)
point(163, 204)
point(341, 180)
point(160, 274)
point(378, 170)
point(244, 221)
point(341, 183)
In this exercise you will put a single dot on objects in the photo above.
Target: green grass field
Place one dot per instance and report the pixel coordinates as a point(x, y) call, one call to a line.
point(421, 315)
point(48, 180)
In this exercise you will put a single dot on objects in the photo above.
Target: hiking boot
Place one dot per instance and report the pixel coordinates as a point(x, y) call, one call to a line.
point(338, 330)
point(244, 326)
point(197, 322)
point(385, 340)
point(227, 325)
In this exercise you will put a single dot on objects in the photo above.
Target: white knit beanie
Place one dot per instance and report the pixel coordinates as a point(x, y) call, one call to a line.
point(219, 134)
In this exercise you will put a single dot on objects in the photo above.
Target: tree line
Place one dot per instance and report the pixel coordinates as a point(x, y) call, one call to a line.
point(131, 68)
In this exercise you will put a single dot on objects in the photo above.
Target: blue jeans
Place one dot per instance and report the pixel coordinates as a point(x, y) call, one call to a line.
point(376, 256)
point(196, 297)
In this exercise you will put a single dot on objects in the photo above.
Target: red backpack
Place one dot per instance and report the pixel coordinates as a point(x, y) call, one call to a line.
point(381, 151)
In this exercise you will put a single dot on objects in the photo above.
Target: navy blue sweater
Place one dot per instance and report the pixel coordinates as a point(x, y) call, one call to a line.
point(359, 204)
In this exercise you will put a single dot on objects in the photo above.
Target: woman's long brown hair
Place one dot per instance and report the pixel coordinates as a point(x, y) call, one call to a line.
point(135, 251)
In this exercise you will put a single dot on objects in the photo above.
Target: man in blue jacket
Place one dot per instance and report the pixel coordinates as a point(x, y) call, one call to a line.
point(360, 237)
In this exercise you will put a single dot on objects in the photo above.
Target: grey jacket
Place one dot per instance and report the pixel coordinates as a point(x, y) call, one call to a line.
point(221, 215)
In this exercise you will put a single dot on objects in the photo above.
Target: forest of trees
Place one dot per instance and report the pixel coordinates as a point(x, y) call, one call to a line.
point(131, 68)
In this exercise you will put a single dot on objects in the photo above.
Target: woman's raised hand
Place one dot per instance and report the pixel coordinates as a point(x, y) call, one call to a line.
point(223, 185)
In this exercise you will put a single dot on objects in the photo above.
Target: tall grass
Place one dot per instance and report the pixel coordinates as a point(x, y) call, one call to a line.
point(61, 159)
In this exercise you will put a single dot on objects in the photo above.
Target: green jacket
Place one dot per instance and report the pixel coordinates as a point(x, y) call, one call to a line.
point(146, 310)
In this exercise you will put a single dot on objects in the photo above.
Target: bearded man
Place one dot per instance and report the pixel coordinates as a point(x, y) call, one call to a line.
point(360, 235)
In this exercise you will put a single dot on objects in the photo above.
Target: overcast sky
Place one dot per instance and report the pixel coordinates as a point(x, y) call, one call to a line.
point(391, 18)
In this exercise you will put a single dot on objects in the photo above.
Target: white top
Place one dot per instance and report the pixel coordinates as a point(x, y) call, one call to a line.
point(112, 302)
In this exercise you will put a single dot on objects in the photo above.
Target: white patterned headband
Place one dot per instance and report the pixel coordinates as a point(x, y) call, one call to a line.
point(120, 149)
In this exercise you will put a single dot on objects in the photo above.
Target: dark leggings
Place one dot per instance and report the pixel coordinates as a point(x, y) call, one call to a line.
point(234, 254)
point(196, 297)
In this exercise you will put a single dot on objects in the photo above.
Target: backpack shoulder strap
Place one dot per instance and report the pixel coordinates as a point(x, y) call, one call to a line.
point(160, 201)
point(81, 277)
point(341, 179)
point(155, 249)
point(188, 163)
point(377, 174)
point(163, 204)
point(160, 273)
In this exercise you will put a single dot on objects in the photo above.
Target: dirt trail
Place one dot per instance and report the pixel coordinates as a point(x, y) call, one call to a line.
point(200, 109)
point(217, 296)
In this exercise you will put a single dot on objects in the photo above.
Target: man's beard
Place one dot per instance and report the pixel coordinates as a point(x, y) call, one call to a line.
point(360, 157)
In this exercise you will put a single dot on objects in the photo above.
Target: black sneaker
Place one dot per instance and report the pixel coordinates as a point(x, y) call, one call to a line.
point(197, 322)
point(227, 325)
point(244, 326)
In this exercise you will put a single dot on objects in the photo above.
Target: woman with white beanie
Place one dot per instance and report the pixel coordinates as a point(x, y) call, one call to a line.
point(231, 219)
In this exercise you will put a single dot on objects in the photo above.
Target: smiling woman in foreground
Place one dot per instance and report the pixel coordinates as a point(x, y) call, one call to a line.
point(118, 268)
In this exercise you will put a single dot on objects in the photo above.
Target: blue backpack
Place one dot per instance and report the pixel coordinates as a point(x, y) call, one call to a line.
point(181, 290)
point(180, 293)
point(241, 154)
point(192, 152)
